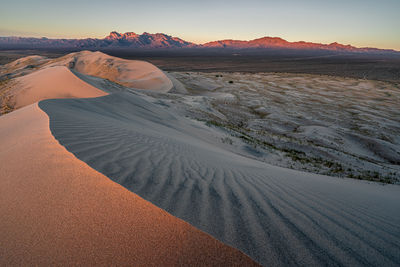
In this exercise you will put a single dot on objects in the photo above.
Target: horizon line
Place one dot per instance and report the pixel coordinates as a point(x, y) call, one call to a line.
point(196, 42)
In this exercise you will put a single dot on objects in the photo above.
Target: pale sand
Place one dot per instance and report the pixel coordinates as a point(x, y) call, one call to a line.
point(50, 82)
point(56, 210)
point(277, 216)
point(131, 73)
point(62, 77)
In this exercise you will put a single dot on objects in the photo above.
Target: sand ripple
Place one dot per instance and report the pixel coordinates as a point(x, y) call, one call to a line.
point(277, 216)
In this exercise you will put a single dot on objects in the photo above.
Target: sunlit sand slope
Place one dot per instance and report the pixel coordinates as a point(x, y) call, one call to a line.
point(131, 73)
point(57, 211)
point(31, 79)
point(51, 82)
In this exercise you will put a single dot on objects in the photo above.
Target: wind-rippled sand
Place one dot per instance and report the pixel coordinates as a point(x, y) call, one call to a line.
point(57, 209)
point(275, 215)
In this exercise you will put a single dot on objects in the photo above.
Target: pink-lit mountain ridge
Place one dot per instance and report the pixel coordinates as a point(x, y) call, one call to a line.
point(146, 40)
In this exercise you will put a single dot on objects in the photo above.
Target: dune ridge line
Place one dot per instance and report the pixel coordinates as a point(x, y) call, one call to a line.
point(56, 210)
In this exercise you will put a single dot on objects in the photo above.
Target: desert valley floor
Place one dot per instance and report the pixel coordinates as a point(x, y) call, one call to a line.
point(107, 161)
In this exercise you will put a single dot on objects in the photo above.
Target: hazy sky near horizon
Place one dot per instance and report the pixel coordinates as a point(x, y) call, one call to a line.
point(362, 23)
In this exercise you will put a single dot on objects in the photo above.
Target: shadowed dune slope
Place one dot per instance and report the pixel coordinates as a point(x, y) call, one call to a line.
point(56, 210)
point(279, 217)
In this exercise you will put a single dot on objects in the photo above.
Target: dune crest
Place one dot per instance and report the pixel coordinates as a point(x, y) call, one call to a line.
point(277, 216)
point(130, 73)
point(48, 83)
point(52, 200)
point(56, 210)
point(35, 78)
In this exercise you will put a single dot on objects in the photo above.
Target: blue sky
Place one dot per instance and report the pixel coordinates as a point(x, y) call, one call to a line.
point(360, 23)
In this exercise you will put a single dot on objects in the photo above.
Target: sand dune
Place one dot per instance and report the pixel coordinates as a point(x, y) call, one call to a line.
point(34, 78)
point(50, 82)
point(279, 217)
point(130, 73)
point(56, 210)
point(23, 63)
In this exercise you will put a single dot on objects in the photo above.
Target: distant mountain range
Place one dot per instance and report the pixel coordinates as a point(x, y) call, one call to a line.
point(146, 40)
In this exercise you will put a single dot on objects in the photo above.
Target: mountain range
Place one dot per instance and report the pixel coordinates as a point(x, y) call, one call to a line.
point(116, 40)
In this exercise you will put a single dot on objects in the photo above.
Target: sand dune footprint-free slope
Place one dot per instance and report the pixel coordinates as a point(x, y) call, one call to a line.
point(56, 210)
point(277, 216)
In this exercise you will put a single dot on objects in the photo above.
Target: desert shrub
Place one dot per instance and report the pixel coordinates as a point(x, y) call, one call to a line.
point(227, 140)
point(214, 123)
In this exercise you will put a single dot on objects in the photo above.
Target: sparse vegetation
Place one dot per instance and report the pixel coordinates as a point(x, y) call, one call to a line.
point(5, 108)
point(335, 168)
point(5, 100)
point(290, 119)
point(214, 123)
point(227, 140)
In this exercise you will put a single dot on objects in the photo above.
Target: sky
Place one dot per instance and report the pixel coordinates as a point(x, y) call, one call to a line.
point(362, 23)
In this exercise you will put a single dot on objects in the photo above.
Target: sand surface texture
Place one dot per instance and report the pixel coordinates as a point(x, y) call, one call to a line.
point(56, 210)
point(279, 217)
point(322, 124)
point(51, 82)
point(34, 78)
point(130, 73)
